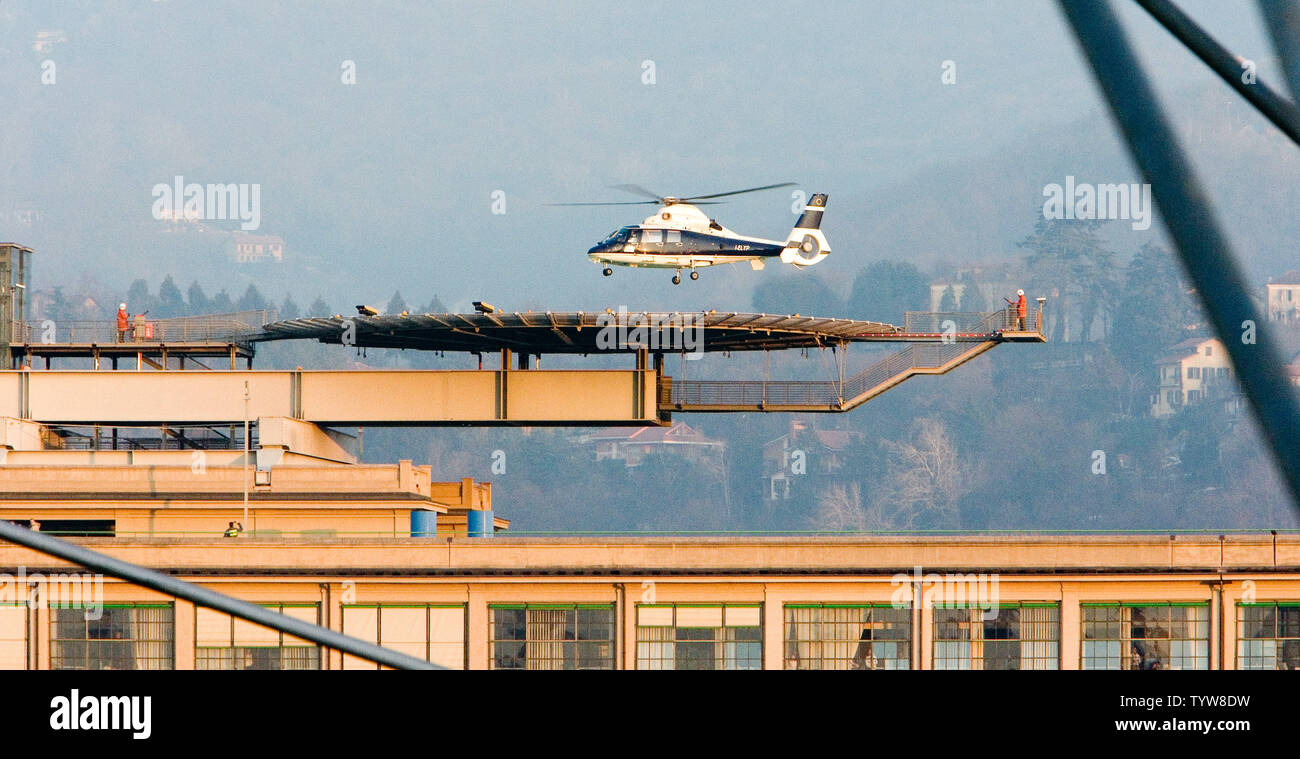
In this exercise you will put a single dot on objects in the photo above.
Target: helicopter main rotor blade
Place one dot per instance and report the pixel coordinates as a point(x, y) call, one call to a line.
point(621, 203)
point(737, 192)
point(639, 203)
point(637, 189)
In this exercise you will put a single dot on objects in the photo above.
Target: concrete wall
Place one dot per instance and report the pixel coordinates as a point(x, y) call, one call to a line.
point(477, 593)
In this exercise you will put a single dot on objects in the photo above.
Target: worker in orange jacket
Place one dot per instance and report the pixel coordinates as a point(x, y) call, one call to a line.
point(1022, 309)
point(123, 322)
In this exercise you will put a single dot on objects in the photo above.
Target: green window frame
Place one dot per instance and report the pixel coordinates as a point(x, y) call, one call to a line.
point(848, 636)
point(1268, 635)
point(435, 632)
point(1017, 635)
point(699, 636)
point(248, 646)
point(120, 636)
point(1144, 635)
point(551, 636)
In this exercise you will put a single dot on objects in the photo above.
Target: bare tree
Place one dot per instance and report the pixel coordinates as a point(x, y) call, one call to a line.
point(839, 508)
point(926, 479)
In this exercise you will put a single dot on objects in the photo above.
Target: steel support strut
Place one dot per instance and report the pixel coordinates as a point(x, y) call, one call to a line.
point(1283, 20)
point(1276, 108)
point(201, 596)
point(1187, 214)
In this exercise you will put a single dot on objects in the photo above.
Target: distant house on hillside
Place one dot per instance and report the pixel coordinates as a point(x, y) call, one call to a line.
point(1194, 370)
point(802, 451)
point(248, 248)
point(1293, 370)
point(633, 445)
point(994, 282)
point(46, 40)
point(1283, 298)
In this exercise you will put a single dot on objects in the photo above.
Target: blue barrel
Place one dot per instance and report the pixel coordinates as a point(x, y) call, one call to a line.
point(480, 523)
point(424, 523)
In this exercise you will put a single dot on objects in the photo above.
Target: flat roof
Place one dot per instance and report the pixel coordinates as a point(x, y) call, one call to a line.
point(879, 556)
point(537, 332)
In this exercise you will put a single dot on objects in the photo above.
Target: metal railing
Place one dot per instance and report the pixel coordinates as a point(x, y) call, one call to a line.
point(970, 322)
point(230, 327)
point(134, 439)
point(775, 394)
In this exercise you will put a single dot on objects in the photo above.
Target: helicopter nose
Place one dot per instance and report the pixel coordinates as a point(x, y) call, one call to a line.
point(597, 248)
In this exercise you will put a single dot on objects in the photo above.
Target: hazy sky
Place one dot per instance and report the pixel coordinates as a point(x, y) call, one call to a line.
point(387, 183)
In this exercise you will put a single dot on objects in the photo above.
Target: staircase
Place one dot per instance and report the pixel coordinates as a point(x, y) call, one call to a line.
point(759, 395)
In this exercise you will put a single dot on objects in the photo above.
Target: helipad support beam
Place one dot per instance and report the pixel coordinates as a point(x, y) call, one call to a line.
point(302, 437)
point(332, 398)
point(20, 435)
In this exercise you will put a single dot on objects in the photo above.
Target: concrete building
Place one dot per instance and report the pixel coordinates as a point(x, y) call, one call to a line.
point(802, 451)
point(247, 248)
point(1047, 602)
point(1282, 296)
point(1194, 370)
point(633, 446)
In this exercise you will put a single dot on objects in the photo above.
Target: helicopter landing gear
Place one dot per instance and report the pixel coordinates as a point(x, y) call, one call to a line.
point(677, 278)
point(695, 275)
point(608, 271)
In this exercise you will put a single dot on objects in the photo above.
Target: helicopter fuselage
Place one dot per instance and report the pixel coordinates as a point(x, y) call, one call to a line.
point(680, 236)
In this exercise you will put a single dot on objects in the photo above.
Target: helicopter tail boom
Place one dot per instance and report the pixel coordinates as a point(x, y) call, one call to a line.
point(806, 245)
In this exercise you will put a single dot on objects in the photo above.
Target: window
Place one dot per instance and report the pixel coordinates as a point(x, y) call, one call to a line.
point(673, 236)
point(1193, 372)
point(433, 632)
point(1193, 396)
point(847, 636)
point(699, 636)
point(1012, 636)
point(15, 619)
point(1146, 636)
point(225, 642)
point(649, 236)
point(120, 636)
point(1209, 349)
point(1268, 635)
point(552, 636)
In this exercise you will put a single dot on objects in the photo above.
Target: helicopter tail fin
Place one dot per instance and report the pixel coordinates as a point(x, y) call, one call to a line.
point(806, 245)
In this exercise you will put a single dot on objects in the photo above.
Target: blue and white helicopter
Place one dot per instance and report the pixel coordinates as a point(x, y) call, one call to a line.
point(681, 236)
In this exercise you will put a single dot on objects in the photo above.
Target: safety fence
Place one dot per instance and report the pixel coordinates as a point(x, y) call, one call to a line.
point(228, 327)
point(971, 322)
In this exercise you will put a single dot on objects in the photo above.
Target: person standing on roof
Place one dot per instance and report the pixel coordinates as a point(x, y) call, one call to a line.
point(1022, 309)
point(123, 322)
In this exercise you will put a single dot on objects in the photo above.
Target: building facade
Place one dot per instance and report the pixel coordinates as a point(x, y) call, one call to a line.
point(1282, 296)
point(851, 603)
point(1195, 370)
